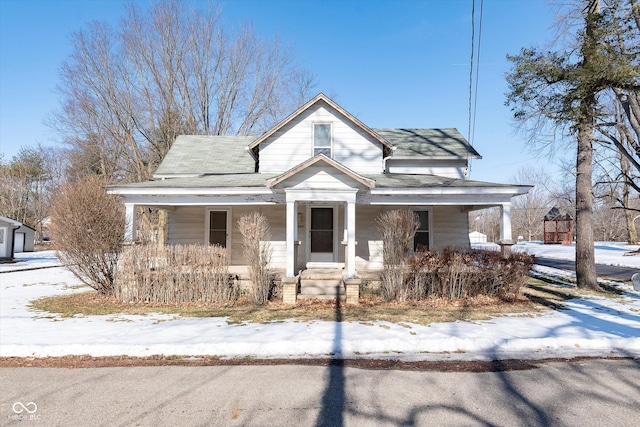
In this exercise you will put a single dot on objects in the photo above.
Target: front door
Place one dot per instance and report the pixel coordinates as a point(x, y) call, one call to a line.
point(321, 234)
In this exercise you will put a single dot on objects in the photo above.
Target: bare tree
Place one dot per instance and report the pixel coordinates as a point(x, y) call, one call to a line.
point(254, 228)
point(172, 69)
point(397, 229)
point(87, 227)
point(561, 89)
point(27, 183)
point(529, 210)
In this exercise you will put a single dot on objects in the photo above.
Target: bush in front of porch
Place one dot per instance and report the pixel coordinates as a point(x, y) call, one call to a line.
point(448, 274)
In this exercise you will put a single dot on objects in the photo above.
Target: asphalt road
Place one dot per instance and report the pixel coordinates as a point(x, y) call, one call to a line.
point(585, 393)
point(613, 272)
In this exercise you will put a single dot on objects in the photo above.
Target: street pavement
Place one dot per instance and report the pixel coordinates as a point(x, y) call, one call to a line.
point(593, 392)
point(622, 274)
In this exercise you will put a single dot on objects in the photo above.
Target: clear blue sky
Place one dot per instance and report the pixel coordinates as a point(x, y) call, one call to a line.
point(402, 63)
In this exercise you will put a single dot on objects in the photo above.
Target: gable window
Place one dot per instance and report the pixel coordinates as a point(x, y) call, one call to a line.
point(217, 227)
point(322, 139)
point(421, 239)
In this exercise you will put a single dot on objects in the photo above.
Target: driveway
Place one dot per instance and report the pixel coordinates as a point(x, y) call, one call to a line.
point(621, 274)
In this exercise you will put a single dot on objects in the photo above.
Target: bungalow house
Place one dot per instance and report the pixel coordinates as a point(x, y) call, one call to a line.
point(321, 177)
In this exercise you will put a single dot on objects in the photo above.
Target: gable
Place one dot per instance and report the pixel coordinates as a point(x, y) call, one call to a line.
point(320, 172)
point(351, 145)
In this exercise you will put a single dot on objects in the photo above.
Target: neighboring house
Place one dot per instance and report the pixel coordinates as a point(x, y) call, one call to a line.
point(8, 227)
point(321, 177)
point(24, 239)
point(477, 237)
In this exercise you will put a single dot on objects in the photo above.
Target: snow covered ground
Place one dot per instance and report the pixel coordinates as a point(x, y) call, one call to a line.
point(608, 253)
point(590, 326)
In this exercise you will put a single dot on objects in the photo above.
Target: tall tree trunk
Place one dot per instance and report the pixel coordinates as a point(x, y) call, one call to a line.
point(585, 252)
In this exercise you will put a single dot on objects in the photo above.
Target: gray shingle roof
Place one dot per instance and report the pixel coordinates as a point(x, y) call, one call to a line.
point(207, 154)
point(446, 142)
point(229, 180)
point(396, 180)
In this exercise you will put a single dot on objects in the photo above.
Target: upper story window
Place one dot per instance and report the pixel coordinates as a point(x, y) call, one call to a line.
point(322, 139)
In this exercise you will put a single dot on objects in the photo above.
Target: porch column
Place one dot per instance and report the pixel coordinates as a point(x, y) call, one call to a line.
point(292, 237)
point(130, 222)
point(505, 222)
point(505, 230)
point(351, 239)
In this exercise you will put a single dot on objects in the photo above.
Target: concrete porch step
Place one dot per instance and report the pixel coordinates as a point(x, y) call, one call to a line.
point(322, 297)
point(321, 284)
point(321, 289)
point(321, 274)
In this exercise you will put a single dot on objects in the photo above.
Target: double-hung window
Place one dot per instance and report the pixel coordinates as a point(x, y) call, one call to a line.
point(421, 239)
point(322, 139)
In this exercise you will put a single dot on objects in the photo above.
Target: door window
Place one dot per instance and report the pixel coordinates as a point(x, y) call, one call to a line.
point(321, 230)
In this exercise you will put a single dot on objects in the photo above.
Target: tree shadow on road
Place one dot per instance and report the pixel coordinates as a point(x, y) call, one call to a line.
point(334, 397)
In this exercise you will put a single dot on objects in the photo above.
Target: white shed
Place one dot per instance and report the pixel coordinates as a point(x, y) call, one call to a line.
point(477, 237)
point(7, 234)
point(24, 239)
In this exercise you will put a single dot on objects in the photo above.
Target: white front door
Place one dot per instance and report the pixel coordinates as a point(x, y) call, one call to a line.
point(322, 234)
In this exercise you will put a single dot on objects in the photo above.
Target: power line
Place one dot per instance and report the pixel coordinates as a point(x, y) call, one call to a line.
point(473, 48)
point(473, 93)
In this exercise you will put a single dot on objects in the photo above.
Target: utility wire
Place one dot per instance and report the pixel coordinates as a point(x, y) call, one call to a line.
point(475, 101)
point(473, 93)
point(473, 48)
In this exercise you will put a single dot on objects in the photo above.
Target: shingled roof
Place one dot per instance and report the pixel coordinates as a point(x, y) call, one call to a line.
point(207, 154)
point(417, 142)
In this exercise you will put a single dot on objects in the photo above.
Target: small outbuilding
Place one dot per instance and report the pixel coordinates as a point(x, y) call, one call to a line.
point(7, 237)
point(24, 239)
point(558, 227)
point(477, 237)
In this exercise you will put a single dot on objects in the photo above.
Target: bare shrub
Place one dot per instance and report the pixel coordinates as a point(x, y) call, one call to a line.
point(452, 274)
point(87, 228)
point(175, 274)
point(254, 228)
point(397, 229)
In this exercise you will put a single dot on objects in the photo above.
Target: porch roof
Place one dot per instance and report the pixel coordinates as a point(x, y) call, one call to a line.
point(397, 180)
point(260, 181)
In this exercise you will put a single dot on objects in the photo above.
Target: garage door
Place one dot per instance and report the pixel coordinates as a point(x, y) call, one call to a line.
point(18, 245)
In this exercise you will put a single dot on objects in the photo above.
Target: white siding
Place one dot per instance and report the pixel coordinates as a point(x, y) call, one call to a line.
point(450, 227)
point(369, 247)
point(186, 225)
point(447, 168)
point(318, 177)
point(293, 144)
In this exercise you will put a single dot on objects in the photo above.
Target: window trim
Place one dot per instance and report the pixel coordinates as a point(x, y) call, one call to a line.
point(313, 138)
point(207, 221)
point(429, 227)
